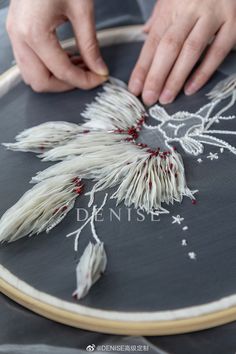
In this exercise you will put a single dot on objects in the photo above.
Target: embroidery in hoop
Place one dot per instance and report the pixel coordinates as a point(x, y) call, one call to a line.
point(105, 149)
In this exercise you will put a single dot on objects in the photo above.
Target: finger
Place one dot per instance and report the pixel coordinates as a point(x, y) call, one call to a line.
point(192, 49)
point(165, 57)
point(145, 59)
point(219, 49)
point(35, 73)
point(85, 32)
point(20, 65)
point(56, 60)
point(147, 26)
point(150, 21)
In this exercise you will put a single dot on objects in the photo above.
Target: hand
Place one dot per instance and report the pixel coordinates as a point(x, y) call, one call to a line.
point(179, 32)
point(44, 65)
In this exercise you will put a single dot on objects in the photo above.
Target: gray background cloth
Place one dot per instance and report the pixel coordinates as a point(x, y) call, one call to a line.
point(22, 327)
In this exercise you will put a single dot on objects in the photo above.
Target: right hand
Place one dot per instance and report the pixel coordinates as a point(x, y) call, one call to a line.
point(44, 65)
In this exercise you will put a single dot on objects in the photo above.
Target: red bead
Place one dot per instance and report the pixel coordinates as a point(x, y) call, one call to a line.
point(78, 190)
point(74, 296)
point(76, 180)
point(86, 131)
point(194, 201)
point(55, 211)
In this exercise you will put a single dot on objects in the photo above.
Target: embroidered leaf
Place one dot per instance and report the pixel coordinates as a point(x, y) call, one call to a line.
point(191, 146)
point(223, 89)
point(211, 140)
point(159, 113)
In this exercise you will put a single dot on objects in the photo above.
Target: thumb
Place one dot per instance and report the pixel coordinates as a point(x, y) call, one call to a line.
point(82, 19)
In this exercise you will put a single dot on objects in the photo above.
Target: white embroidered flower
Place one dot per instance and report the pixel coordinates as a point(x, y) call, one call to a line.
point(212, 156)
point(177, 219)
point(91, 266)
point(192, 130)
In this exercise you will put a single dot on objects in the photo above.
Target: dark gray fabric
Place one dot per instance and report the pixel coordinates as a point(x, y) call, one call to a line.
point(115, 345)
point(146, 7)
point(152, 248)
point(6, 55)
point(3, 3)
point(21, 326)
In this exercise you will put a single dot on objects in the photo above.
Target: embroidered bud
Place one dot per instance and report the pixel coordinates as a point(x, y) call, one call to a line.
point(91, 266)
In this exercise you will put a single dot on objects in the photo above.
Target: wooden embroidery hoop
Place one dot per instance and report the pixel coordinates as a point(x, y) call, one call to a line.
point(133, 323)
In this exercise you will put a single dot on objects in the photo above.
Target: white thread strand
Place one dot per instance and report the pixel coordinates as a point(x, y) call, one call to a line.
point(78, 232)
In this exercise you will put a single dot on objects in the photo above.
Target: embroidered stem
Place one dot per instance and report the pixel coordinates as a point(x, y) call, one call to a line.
point(231, 103)
point(90, 220)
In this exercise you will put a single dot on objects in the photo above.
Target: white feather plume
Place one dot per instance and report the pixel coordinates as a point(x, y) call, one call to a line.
point(41, 208)
point(104, 113)
point(44, 136)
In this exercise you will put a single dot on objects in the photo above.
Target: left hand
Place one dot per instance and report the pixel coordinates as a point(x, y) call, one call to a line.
point(179, 31)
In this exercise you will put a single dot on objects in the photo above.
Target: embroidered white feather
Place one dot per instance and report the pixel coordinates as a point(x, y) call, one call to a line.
point(41, 208)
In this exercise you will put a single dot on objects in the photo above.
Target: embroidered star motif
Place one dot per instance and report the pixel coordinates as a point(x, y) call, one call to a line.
point(212, 156)
point(192, 255)
point(177, 219)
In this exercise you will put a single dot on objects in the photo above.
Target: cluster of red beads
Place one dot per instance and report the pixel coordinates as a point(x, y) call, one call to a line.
point(79, 186)
point(156, 152)
point(141, 121)
point(132, 131)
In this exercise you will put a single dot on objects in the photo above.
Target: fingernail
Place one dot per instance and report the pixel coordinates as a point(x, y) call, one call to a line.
point(135, 87)
point(149, 97)
point(190, 88)
point(102, 68)
point(105, 78)
point(166, 96)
